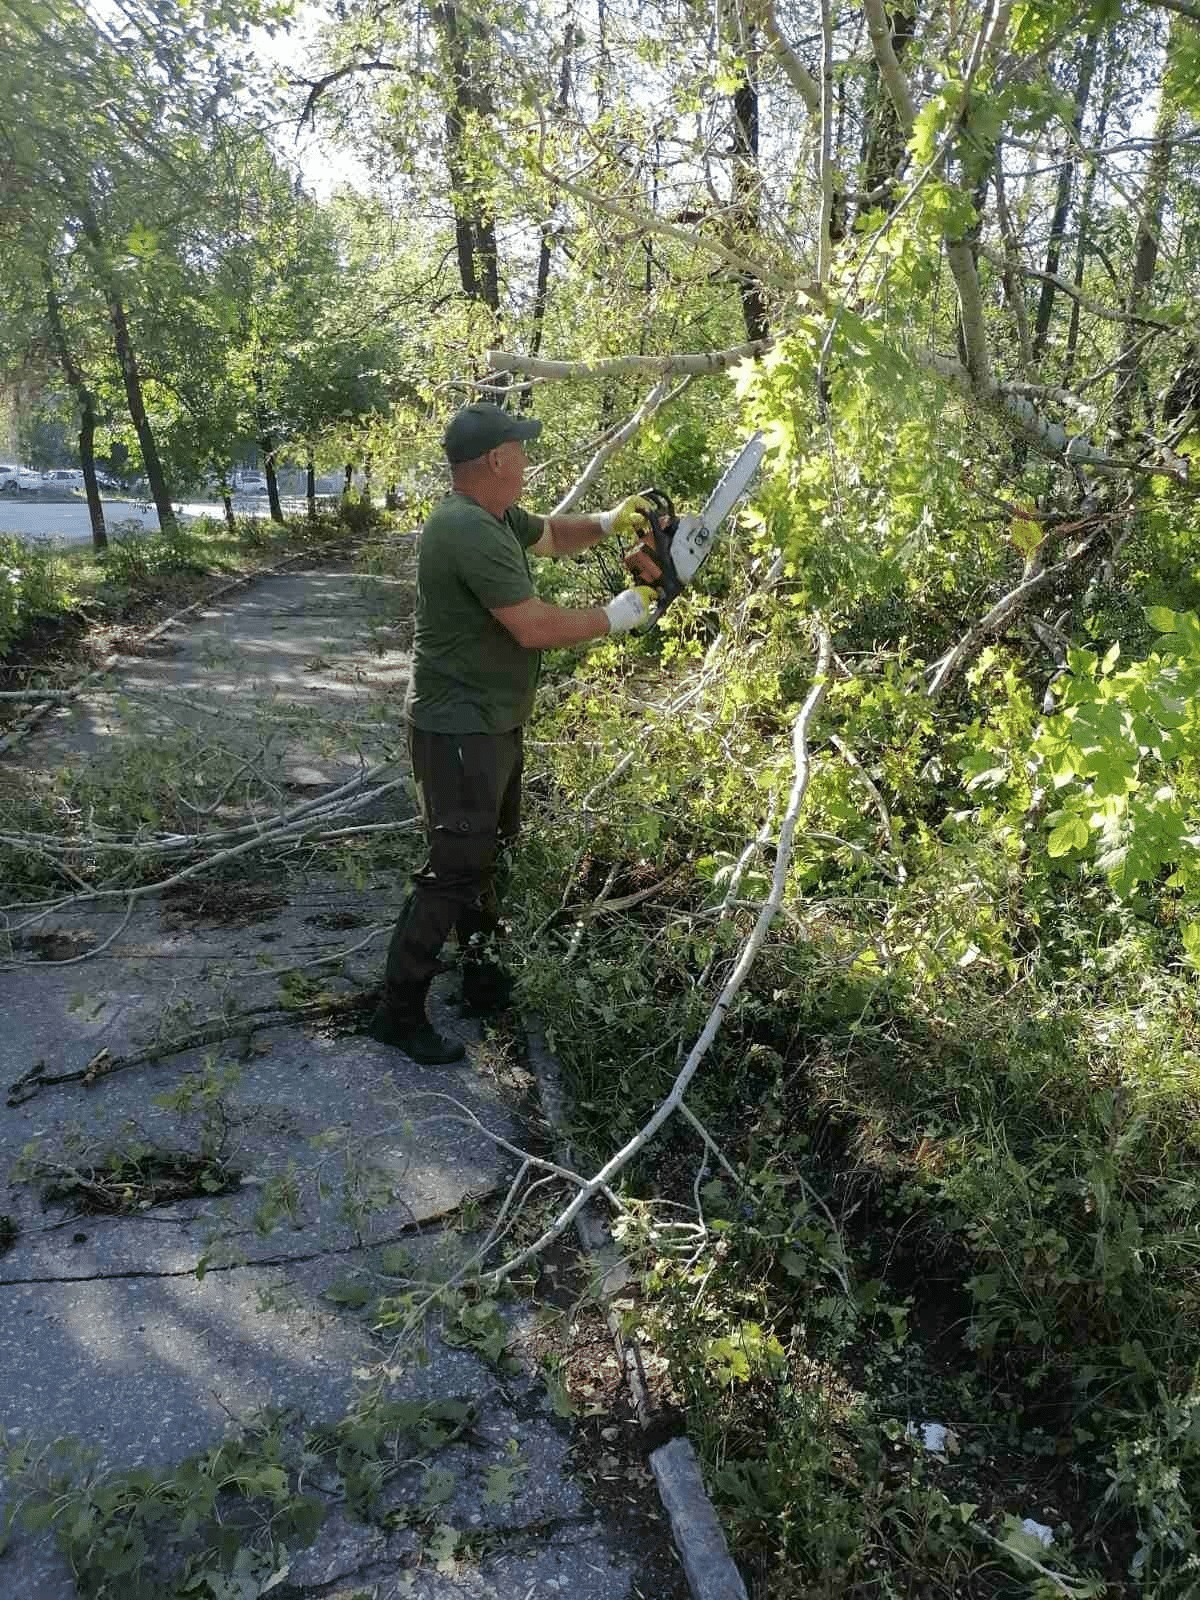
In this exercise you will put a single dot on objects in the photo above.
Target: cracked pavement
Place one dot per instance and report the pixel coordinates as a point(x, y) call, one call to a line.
point(148, 1334)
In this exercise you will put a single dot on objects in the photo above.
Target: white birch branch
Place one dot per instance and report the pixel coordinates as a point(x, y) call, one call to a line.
point(1023, 417)
point(944, 669)
point(661, 394)
point(647, 222)
point(696, 364)
point(825, 164)
point(970, 305)
point(799, 76)
point(889, 67)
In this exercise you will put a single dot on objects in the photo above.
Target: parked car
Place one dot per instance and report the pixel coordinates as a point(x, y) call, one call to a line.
point(63, 478)
point(17, 477)
point(250, 483)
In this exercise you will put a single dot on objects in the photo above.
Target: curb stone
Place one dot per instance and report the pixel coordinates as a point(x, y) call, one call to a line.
point(707, 1564)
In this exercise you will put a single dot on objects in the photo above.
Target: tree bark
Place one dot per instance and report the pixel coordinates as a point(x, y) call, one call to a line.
point(746, 180)
point(310, 485)
point(471, 101)
point(1062, 201)
point(885, 137)
point(87, 407)
point(1145, 259)
point(268, 445)
point(541, 293)
point(130, 371)
point(1084, 211)
point(230, 519)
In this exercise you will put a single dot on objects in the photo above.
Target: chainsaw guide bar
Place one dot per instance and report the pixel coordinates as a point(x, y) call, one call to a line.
point(673, 549)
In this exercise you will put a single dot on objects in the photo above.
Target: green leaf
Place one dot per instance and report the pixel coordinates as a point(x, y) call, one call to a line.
point(1071, 834)
point(441, 1546)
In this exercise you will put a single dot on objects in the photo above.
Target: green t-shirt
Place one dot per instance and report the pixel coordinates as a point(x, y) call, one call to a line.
point(469, 675)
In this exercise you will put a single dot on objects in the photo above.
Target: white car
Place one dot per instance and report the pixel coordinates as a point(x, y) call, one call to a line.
point(14, 477)
point(63, 478)
point(251, 483)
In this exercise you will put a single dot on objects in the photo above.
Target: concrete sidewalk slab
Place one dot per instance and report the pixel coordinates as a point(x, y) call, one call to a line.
point(149, 1333)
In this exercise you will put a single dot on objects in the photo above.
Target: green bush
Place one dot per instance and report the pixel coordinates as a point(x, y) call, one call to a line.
point(133, 561)
point(358, 515)
point(33, 583)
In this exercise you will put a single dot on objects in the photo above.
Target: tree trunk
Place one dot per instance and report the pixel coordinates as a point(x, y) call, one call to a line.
point(746, 181)
point(87, 460)
point(230, 519)
point(130, 372)
point(542, 286)
point(1145, 257)
point(267, 445)
point(884, 141)
point(1062, 201)
point(470, 102)
point(310, 486)
point(87, 408)
point(348, 480)
point(1084, 210)
point(366, 488)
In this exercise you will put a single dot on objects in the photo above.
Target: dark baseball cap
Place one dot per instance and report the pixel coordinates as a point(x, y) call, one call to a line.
point(478, 428)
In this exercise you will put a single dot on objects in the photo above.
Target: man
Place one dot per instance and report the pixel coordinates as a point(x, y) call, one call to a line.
point(480, 629)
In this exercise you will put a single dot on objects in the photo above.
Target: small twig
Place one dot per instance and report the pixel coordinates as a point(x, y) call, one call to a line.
point(864, 777)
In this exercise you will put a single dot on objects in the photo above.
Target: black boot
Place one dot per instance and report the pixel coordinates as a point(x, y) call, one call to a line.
point(401, 1022)
point(487, 986)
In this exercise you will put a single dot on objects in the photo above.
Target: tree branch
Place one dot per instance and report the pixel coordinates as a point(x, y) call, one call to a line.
point(660, 395)
point(766, 916)
point(798, 74)
point(695, 364)
point(889, 67)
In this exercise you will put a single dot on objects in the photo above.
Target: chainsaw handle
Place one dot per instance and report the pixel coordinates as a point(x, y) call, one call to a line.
point(649, 561)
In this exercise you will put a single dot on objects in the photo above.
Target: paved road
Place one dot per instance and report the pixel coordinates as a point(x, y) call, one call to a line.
point(67, 523)
point(353, 1166)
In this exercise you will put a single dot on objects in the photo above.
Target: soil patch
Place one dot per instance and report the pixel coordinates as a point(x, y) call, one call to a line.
point(57, 945)
point(610, 1451)
point(336, 920)
point(228, 904)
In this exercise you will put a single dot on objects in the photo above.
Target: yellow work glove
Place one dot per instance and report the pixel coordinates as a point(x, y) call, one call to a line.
point(624, 519)
point(630, 609)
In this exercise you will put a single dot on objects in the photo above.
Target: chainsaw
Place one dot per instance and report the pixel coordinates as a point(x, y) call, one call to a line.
point(672, 549)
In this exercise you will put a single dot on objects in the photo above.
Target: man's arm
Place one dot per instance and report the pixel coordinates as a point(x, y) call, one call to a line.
point(537, 625)
point(567, 535)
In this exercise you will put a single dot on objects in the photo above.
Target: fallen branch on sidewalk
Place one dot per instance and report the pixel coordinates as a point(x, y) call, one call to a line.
point(601, 1181)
